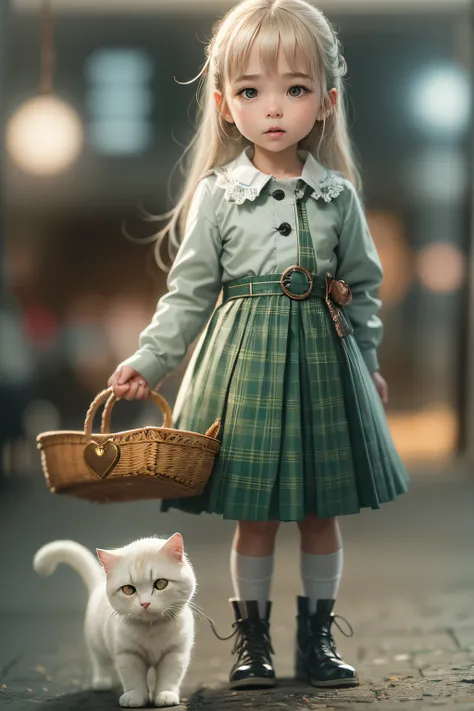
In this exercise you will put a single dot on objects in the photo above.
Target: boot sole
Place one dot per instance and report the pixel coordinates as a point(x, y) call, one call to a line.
point(254, 683)
point(336, 683)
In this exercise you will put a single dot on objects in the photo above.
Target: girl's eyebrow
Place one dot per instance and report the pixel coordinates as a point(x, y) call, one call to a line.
point(288, 75)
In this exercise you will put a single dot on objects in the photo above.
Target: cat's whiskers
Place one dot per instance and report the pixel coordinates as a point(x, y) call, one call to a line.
point(197, 611)
point(164, 615)
point(176, 609)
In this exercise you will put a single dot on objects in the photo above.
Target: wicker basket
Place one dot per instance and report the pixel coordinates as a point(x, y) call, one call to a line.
point(145, 463)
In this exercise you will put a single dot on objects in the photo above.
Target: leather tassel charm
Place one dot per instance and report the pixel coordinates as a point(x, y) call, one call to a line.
point(333, 310)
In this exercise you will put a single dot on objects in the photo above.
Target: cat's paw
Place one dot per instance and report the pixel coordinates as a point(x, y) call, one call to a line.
point(167, 698)
point(134, 699)
point(102, 683)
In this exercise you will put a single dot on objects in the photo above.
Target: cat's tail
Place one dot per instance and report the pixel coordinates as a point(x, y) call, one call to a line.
point(75, 555)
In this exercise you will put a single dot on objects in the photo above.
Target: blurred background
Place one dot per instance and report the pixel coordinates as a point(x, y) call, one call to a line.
point(94, 131)
point(94, 121)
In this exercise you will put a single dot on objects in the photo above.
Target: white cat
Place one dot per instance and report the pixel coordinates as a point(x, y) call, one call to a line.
point(138, 616)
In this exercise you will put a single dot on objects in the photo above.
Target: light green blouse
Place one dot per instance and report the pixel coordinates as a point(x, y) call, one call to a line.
point(232, 232)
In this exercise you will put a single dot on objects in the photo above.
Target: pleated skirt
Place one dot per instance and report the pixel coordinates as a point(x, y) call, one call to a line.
point(303, 427)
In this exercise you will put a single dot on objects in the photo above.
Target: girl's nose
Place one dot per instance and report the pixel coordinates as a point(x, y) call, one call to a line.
point(274, 111)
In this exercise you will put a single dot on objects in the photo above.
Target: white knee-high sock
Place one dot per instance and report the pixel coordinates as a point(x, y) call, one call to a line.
point(252, 578)
point(321, 575)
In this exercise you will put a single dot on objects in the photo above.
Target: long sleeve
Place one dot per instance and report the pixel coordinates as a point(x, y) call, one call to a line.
point(359, 265)
point(194, 283)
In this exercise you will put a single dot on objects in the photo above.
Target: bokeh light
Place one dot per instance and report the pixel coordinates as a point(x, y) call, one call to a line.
point(395, 254)
point(425, 435)
point(441, 267)
point(44, 136)
point(441, 99)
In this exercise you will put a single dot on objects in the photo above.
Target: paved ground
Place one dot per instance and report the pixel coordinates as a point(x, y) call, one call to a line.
point(408, 591)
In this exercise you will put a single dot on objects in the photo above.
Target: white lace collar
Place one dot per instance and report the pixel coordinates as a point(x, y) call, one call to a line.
point(243, 181)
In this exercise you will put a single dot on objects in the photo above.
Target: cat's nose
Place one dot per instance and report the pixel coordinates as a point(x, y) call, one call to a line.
point(145, 604)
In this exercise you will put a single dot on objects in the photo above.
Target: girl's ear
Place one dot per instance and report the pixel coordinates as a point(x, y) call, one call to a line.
point(332, 94)
point(222, 106)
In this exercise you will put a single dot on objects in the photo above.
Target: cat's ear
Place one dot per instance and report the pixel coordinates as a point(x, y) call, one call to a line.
point(174, 546)
point(107, 559)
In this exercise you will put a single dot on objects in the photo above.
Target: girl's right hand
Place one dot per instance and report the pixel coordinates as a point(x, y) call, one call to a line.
point(129, 384)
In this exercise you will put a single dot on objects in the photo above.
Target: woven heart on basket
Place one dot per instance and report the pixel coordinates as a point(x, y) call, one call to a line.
point(143, 463)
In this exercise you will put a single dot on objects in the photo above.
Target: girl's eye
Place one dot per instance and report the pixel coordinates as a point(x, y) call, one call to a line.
point(128, 589)
point(161, 584)
point(297, 91)
point(243, 92)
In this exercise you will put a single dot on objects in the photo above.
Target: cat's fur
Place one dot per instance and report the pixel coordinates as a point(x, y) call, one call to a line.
point(123, 636)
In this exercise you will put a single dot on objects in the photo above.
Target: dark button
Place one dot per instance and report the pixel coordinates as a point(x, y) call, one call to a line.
point(278, 194)
point(284, 229)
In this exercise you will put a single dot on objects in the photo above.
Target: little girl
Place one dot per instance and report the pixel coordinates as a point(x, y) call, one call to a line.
point(271, 216)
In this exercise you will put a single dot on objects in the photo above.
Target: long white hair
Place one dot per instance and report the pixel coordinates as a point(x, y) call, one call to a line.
point(295, 26)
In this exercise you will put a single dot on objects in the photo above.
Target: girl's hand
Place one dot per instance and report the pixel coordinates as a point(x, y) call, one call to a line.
point(381, 386)
point(129, 384)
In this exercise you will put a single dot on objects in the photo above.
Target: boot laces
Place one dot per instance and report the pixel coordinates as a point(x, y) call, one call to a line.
point(334, 620)
point(327, 638)
point(250, 635)
point(252, 640)
point(331, 640)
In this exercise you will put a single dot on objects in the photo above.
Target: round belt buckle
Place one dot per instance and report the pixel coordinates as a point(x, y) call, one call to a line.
point(285, 282)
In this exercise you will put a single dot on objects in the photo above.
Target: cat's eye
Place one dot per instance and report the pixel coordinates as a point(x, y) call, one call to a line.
point(128, 589)
point(161, 584)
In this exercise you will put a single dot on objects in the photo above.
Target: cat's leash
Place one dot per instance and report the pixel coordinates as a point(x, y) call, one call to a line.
point(236, 629)
point(235, 625)
point(213, 627)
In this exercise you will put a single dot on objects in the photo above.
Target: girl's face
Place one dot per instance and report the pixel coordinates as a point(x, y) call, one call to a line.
point(259, 101)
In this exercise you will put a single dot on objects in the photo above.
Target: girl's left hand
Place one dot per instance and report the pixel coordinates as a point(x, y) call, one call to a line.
point(381, 386)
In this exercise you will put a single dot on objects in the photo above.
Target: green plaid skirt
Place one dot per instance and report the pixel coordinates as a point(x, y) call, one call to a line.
point(303, 427)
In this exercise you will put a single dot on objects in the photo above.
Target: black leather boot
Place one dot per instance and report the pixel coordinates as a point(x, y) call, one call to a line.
point(317, 659)
point(253, 667)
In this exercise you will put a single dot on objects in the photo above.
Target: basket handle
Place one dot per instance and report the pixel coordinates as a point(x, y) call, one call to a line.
point(158, 399)
point(111, 400)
